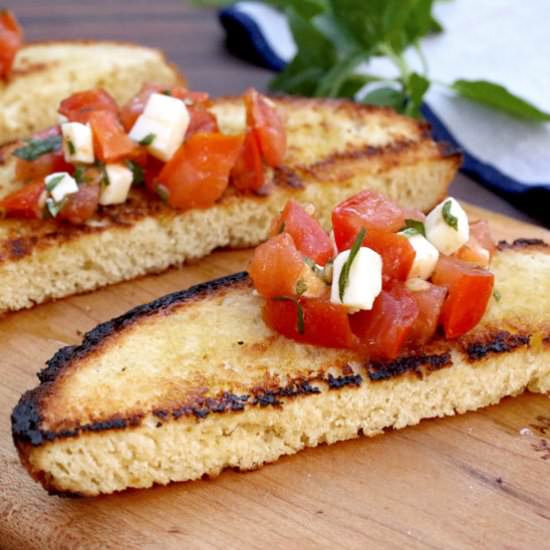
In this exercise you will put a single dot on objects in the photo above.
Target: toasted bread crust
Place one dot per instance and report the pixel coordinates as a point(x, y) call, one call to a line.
point(346, 370)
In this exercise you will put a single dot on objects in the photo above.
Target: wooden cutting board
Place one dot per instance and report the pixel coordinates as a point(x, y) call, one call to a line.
point(481, 480)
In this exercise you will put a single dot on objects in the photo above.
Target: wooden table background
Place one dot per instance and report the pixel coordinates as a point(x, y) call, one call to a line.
point(474, 481)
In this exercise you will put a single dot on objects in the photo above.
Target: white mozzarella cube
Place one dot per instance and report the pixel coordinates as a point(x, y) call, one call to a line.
point(440, 231)
point(119, 179)
point(425, 258)
point(164, 108)
point(78, 143)
point(59, 185)
point(161, 139)
point(364, 282)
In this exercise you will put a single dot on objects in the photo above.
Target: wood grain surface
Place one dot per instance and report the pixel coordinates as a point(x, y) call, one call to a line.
point(480, 480)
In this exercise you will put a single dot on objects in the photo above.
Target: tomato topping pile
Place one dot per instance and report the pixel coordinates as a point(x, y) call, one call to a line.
point(298, 271)
point(182, 157)
point(11, 38)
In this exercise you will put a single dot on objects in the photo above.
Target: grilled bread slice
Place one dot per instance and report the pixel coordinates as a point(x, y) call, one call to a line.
point(46, 73)
point(195, 382)
point(335, 149)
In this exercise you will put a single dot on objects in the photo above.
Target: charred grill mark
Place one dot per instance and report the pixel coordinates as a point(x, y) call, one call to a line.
point(338, 382)
point(383, 370)
point(267, 398)
point(521, 243)
point(203, 406)
point(498, 342)
point(283, 175)
point(17, 248)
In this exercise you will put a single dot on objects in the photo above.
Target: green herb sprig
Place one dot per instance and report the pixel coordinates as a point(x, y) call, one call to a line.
point(343, 280)
point(35, 148)
point(147, 140)
point(450, 219)
point(414, 227)
point(300, 322)
point(333, 37)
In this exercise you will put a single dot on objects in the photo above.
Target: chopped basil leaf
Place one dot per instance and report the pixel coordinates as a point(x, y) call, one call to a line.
point(54, 207)
point(301, 287)
point(79, 174)
point(163, 193)
point(36, 148)
point(71, 147)
point(300, 325)
point(497, 295)
point(137, 172)
point(414, 227)
point(148, 139)
point(281, 228)
point(166, 92)
point(344, 274)
point(54, 182)
point(105, 181)
point(450, 220)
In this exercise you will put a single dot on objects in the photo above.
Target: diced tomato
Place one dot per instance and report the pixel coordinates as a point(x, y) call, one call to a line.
point(429, 302)
point(11, 38)
point(469, 289)
point(307, 233)
point(81, 206)
point(79, 106)
point(324, 323)
point(276, 266)
point(396, 251)
point(248, 172)
point(130, 112)
point(111, 143)
point(264, 120)
point(480, 247)
point(201, 121)
point(198, 173)
point(25, 202)
point(384, 330)
point(369, 210)
point(27, 170)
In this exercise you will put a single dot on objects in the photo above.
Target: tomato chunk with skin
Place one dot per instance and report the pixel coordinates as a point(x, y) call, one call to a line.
point(480, 247)
point(201, 121)
point(26, 202)
point(79, 106)
point(384, 330)
point(198, 173)
point(307, 233)
point(430, 303)
point(11, 39)
point(322, 324)
point(276, 266)
point(369, 210)
point(396, 251)
point(81, 206)
point(248, 172)
point(47, 163)
point(469, 289)
point(111, 143)
point(264, 120)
